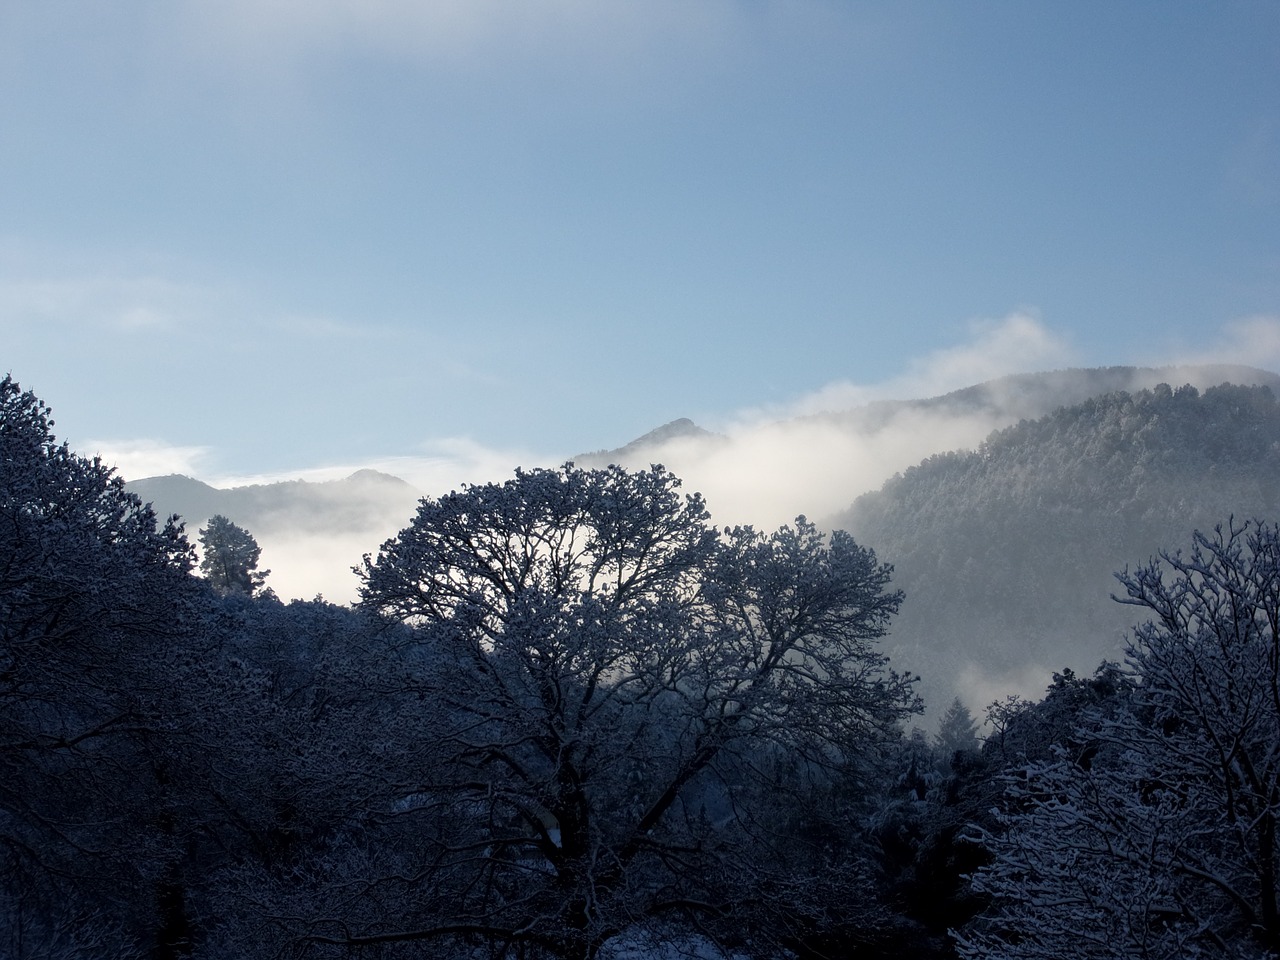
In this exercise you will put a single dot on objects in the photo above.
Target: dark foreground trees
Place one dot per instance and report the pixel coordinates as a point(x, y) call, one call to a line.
point(1153, 832)
point(92, 592)
point(583, 715)
point(635, 722)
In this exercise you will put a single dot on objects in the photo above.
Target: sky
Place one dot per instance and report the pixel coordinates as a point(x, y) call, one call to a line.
point(268, 238)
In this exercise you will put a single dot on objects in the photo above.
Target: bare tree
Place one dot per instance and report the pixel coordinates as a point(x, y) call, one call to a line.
point(1159, 839)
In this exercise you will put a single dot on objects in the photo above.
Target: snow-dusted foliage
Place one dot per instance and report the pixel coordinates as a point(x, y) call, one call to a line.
point(632, 718)
point(1156, 834)
point(229, 560)
point(91, 591)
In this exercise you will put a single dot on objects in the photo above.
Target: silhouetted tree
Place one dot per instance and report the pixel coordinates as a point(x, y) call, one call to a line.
point(609, 684)
point(957, 731)
point(230, 557)
point(93, 595)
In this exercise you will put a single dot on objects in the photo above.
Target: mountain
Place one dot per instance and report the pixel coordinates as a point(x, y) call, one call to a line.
point(349, 505)
point(640, 452)
point(1007, 553)
point(1033, 395)
point(311, 533)
point(767, 474)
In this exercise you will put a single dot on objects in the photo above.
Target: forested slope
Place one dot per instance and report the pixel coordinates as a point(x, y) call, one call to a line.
point(1007, 553)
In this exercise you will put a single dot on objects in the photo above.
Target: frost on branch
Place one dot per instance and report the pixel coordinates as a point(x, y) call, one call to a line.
point(1161, 840)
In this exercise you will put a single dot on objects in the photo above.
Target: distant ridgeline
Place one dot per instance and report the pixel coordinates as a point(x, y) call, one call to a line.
point(366, 499)
point(1007, 553)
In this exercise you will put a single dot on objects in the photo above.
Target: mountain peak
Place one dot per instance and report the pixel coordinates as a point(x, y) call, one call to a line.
point(680, 429)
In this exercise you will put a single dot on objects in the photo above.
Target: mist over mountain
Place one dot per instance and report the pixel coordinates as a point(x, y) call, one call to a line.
point(1007, 552)
point(351, 504)
point(310, 532)
point(768, 471)
point(639, 451)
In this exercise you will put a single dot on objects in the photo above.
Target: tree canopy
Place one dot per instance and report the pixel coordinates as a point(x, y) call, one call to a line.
point(615, 684)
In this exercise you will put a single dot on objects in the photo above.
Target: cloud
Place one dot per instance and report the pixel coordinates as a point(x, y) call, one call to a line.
point(443, 465)
point(815, 456)
point(305, 562)
point(767, 470)
point(818, 454)
point(978, 688)
point(1253, 341)
point(122, 303)
point(136, 459)
point(1018, 343)
point(767, 474)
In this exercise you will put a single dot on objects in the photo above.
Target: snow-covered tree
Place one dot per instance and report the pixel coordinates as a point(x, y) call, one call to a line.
point(609, 682)
point(957, 731)
point(229, 558)
point(93, 592)
point(1155, 834)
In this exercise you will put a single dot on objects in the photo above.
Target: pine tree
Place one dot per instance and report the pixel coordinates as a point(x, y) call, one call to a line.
point(957, 731)
point(230, 557)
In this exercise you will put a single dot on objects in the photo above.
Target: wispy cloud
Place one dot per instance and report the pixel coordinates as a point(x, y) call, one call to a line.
point(139, 458)
point(442, 465)
point(1253, 341)
point(814, 456)
point(123, 303)
point(818, 454)
point(1016, 343)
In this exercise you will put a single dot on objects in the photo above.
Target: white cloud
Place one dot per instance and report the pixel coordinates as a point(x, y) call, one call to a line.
point(126, 303)
point(444, 465)
point(304, 564)
point(978, 688)
point(765, 472)
point(803, 458)
point(137, 459)
point(1253, 341)
point(1018, 343)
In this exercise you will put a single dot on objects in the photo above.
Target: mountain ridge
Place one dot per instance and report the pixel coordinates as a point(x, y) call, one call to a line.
point(1007, 553)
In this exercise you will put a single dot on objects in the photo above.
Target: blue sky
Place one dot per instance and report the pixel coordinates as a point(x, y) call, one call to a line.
point(260, 237)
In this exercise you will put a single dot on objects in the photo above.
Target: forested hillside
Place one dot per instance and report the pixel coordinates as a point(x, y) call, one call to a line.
point(1007, 553)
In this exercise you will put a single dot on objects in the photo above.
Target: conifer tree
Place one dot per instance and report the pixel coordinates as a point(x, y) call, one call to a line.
point(957, 731)
point(230, 557)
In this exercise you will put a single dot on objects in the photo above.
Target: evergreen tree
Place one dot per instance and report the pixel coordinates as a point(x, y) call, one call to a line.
point(957, 731)
point(230, 557)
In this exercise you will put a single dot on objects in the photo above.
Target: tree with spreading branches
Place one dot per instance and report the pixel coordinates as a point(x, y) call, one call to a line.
point(616, 693)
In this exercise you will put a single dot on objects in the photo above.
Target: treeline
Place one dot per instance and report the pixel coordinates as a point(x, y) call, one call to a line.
point(569, 719)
